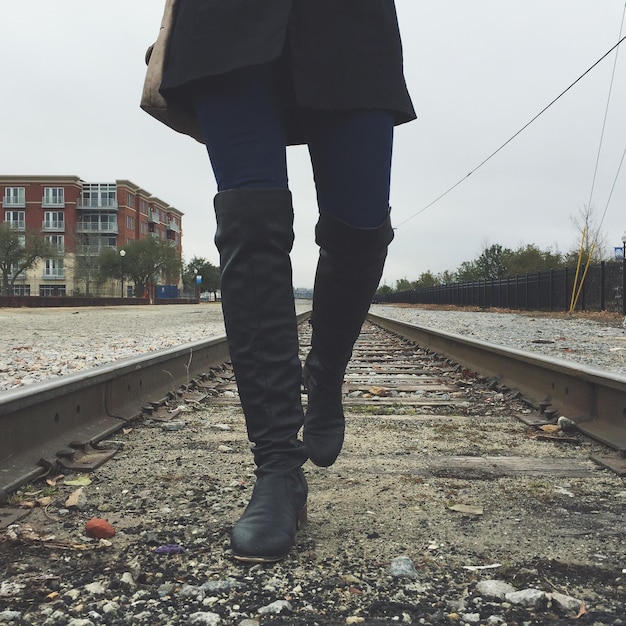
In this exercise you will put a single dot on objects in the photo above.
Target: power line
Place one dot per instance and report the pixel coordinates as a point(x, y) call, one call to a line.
point(508, 141)
point(606, 113)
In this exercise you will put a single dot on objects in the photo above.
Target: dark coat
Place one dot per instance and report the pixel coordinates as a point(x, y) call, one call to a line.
point(344, 54)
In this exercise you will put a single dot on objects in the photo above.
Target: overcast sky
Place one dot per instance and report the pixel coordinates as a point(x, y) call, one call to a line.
point(478, 71)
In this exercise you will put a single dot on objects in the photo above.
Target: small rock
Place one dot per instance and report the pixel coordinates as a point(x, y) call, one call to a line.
point(566, 424)
point(191, 591)
point(530, 598)
point(223, 448)
point(110, 607)
point(99, 528)
point(219, 586)
point(565, 603)
point(10, 616)
point(354, 619)
point(275, 608)
point(128, 580)
point(205, 618)
point(403, 566)
point(173, 425)
point(496, 589)
point(471, 618)
point(96, 589)
point(77, 500)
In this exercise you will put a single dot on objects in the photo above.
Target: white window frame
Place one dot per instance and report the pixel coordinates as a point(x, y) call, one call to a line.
point(16, 219)
point(54, 220)
point(53, 196)
point(14, 196)
point(58, 241)
point(53, 268)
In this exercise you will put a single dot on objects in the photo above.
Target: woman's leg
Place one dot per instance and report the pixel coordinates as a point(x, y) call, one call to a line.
point(351, 157)
point(242, 123)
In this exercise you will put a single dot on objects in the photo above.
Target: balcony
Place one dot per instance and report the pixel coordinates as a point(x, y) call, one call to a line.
point(53, 274)
point(17, 224)
point(153, 216)
point(11, 202)
point(92, 249)
point(53, 225)
point(109, 228)
point(53, 203)
point(172, 225)
point(86, 204)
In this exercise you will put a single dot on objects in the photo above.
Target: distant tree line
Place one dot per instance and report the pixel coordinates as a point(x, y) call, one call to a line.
point(496, 261)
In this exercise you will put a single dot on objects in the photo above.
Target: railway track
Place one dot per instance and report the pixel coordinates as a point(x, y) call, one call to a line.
point(451, 455)
point(61, 421)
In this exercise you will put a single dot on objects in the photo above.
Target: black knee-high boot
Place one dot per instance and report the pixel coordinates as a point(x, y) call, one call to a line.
point(254, 237)
point(349, 269)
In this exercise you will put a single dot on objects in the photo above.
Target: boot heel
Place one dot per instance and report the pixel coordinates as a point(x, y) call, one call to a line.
point(302, 516)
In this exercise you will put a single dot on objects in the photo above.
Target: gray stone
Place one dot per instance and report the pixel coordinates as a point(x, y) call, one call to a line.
point(403, 566)
point(529, 598)
point(496, 589)
point(275, 608)
point(565, 603)
point(205, 618)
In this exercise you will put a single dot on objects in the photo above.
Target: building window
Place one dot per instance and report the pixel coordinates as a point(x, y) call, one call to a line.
point(143, 207)
point(143, 228)
point(99, 195)
point(58, 241)
point(51, 290)
point(91, 245)
point(53, 220)
point(98, 222)
point(53, 196)
point(53, 268)
point(16, 219)
point(14, 196)
point(20, 290)
point(130, 222)
point(130, 198)
point(13, 271)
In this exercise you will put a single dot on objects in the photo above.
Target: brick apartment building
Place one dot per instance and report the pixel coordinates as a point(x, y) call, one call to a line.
point(81, 219)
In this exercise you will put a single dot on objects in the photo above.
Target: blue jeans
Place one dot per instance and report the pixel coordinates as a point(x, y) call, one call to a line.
point(243, 117)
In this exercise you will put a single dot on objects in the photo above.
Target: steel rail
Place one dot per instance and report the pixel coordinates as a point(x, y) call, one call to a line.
point(592, 398)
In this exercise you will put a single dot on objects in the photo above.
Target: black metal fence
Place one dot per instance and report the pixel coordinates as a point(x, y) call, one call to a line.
point(601, 290)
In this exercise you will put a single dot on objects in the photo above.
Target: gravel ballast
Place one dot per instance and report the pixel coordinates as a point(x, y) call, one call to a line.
point(384, 544)
point(45, 343)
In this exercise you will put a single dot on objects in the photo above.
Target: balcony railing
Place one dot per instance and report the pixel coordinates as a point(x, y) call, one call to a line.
point(53, 274)
point(110, 204)
point(92, 250)
point(153, 216)
point(13, 202)
point(172, 225)
point(97, 227)
point(17, 224)
point(53, 203)
point(57, 225)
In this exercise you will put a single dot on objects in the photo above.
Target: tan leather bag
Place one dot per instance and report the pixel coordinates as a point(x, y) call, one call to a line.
point(152, 102)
